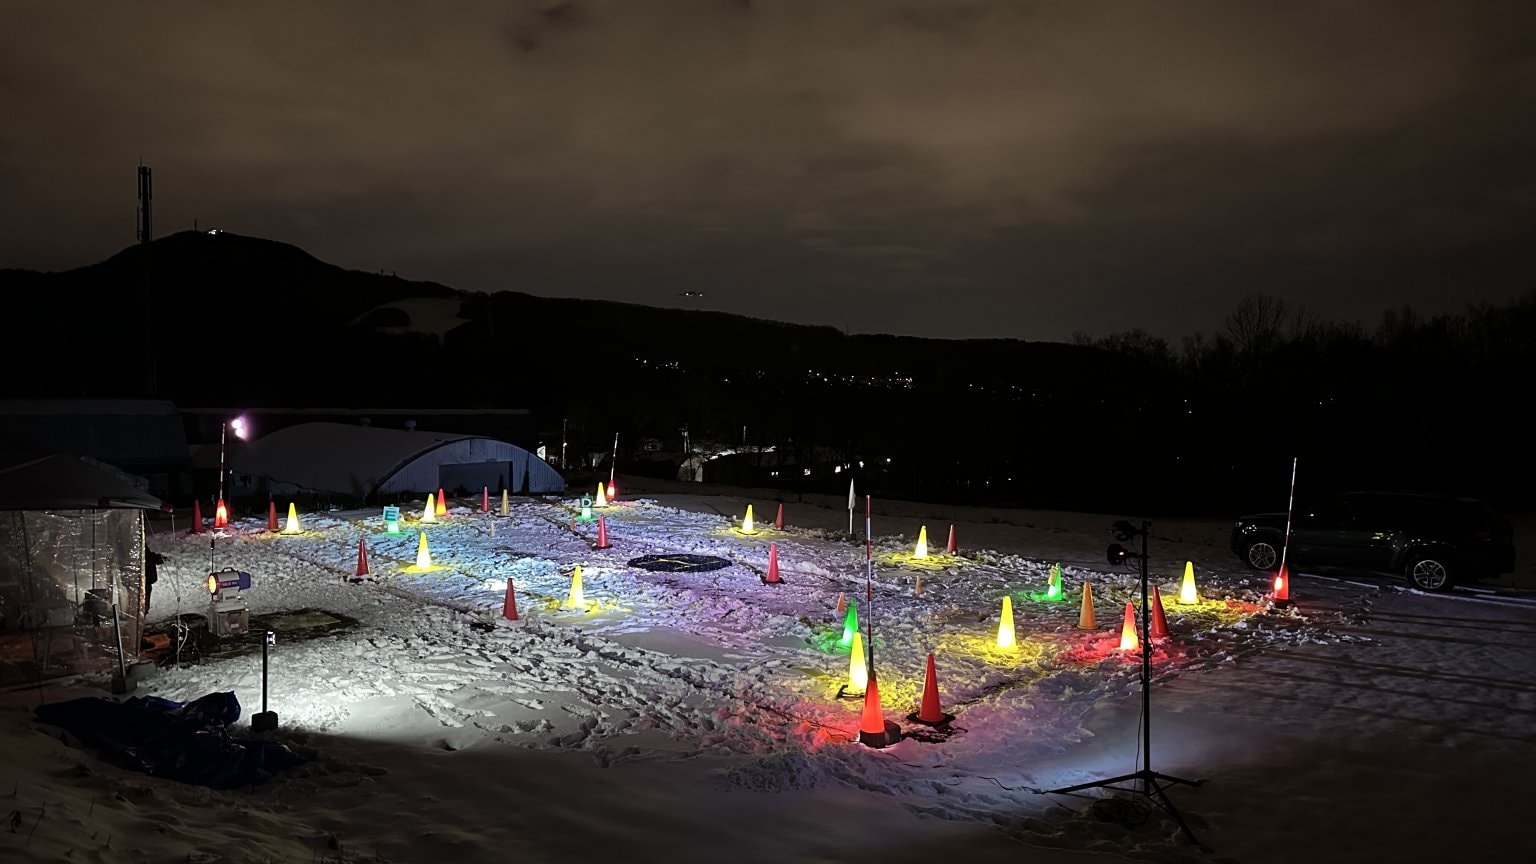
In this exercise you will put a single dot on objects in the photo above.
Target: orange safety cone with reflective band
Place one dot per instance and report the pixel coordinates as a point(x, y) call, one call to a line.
point(602, 534)
point(1282, 586)
point(872, 729)
point(1128, 640)
point(778, 521)
point(842, 602)
point(197, 518)
point(951, 548)
point(271, 515)
point(220, 515)
point(929, 713)
point(362, 558)
point(772, 576)
point(485, 499)
point(1085, 619)
point(442, 505)
point(509, 604)
point(1159, 620)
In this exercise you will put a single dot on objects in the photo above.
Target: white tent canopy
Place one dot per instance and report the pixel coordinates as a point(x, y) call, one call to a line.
point(62, 482)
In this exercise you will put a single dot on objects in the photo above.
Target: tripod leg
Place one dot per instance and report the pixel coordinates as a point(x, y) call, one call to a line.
point(1092, 784)
point(1173, 811)
point(1166, 778)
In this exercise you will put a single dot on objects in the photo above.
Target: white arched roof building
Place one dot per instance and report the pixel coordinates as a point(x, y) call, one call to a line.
point(362, 462)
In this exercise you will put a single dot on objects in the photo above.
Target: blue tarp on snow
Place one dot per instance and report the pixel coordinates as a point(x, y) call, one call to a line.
point(187, 742)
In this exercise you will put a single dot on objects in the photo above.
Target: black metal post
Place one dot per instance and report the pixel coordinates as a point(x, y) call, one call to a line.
point(264, 644)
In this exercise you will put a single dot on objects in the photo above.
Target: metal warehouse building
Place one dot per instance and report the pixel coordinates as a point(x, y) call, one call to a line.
point(364, 463)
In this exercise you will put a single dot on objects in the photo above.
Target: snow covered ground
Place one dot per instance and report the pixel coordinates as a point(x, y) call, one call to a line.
point(695, 716)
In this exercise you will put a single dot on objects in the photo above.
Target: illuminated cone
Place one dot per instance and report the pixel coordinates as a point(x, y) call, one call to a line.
point(197, 518)
point(506, 506)
point(1085, 619)
point(362, 558)
point(613, 491)
point(292, 525)
point(1128, 640)
point(842, 602)
point(922, 543)
point(271, 515)
point(1282, 586)
point(602, 496)
point(429, 512)
point(220, 515)
point(872, 729)
point(772, 576)
point(1053, 586)
point(951, 548)
point(576, 599)
point(423, 554)
point(929, 713)
point(1187, 594)
point(746, 522)
point(485, 499)
point(1006, 638)
point(850, 625)
point(778, 521)
point(602, 533)
point(1159, 620)
point(509, 603)
point(858, 669)
point(442, 503)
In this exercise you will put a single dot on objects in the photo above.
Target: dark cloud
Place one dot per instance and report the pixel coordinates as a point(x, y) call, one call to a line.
point(943, 168)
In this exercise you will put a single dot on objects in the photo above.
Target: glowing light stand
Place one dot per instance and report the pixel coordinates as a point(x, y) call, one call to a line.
point(1152, 783)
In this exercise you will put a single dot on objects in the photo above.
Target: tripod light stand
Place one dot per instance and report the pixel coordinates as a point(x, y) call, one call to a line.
point(1152, 783)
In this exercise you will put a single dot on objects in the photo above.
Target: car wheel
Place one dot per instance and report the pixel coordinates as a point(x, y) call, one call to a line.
point(1262, 555)
point(1428, 573)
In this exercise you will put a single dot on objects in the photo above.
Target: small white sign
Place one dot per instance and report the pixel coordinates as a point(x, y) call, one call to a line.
point(391, 514)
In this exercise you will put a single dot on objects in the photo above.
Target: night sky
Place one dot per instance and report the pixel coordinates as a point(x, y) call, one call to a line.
point(954, 169)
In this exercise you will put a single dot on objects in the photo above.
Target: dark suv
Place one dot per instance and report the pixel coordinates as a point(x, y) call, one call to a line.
point(1432, 540)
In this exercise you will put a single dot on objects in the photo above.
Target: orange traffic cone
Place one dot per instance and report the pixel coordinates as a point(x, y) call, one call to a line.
point(1128, 640)
point(485, 499)
point(917, 587)
point(951, 548)
point(197, 518)
point(872, 729)
point(772, 576)
point(362, 558)
point(778, 521)
point(509, 604)
point(1159, 620)
point(929, 714)
point(1282, 586)
point(442, 506)
point(271, 515)
point(1085, 619)
point(602, 534)
point(842, 602)
point(220, 515)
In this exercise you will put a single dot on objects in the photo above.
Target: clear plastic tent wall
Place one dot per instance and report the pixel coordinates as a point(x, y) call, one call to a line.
point(62, 573)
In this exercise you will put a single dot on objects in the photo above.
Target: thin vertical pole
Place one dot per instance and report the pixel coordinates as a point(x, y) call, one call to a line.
point(869, 582)
point(1290, 505)
point(264, 642)
point(1146, 666)
point(613, 467)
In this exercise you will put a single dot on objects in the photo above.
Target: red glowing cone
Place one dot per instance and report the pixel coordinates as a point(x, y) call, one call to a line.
point(1128, 640)
point(509, 604)
point(271, 515)
point(485, 499)
point(772, 577)
point(1159, 620)
point(873, 731)
point(362, 559)
point(1282, 586)
point(951, 548)
point(778, 521)
point(220, 515)
point(602, 534)
point(197, 518)
point(929, 714)
point(442, 507)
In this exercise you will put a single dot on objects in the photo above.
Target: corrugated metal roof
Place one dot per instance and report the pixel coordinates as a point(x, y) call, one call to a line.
point(123, 432)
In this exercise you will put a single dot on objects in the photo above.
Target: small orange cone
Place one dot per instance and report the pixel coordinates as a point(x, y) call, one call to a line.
point(509, 604)
point(778, 521)
point(917, 589)
point(1159, 620)
point(872, 729)
point(197, 518)
point(772, 576)
point(929, 713)
point(485, 499)
point(362, 558)
point(442, 505)
point(1085, 619)
point(1128, 640)
point(220, 515)
point(271, 515)
point(602, 534)
point(1282, 586)
point(951, 548)
point(842, 602)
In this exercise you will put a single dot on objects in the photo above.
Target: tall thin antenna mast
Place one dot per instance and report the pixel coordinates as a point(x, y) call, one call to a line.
point(146, 234)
